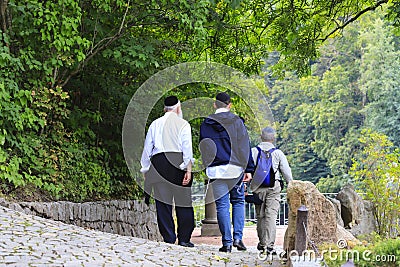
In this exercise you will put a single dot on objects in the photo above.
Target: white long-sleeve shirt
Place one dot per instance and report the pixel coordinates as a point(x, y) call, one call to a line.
point(168, 133)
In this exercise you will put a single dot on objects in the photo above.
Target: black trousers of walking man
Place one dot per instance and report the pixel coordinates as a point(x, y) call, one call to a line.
point(165, 178)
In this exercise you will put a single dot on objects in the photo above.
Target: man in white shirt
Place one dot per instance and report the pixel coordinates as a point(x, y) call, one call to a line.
point(166, 164)
point(267, 211)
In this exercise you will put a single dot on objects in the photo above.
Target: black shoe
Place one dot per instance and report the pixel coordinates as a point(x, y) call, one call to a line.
point(271, 251)
point(225, 249)
point(239, 244)
point(260, 247)
point(186, 244)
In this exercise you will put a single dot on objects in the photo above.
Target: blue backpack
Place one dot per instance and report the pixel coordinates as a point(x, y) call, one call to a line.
point(264, 175)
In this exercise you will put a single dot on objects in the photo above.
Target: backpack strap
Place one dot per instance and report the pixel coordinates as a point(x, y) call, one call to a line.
point(272, 149)
point(270, 152)
point(258, 156)
point(279, 164)
point(259, 153)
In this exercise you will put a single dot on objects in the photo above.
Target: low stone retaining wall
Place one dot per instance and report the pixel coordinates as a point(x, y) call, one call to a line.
point(124, 217)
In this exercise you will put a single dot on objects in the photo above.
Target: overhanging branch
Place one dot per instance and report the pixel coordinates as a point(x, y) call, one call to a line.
point(359, 14)
point(102, 44)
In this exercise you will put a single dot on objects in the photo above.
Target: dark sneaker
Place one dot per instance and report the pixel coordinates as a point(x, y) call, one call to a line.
point(260, 247)
point(186, 244)
point(239, 244)
point(226, 249)
point(271, 251)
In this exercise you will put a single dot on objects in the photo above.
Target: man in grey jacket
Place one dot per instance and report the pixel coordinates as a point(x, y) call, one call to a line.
point(267, 211)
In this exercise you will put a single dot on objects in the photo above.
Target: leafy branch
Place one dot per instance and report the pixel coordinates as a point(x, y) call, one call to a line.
point(359, 14)
point(102, 44)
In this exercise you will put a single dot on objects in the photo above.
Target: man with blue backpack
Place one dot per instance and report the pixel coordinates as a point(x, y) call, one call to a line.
point(266, 185)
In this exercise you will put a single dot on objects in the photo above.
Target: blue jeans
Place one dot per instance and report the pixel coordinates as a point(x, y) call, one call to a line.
point(229, 191)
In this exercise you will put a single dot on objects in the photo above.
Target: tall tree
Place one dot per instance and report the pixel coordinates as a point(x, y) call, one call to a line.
point(380, 68)
point(290, 100)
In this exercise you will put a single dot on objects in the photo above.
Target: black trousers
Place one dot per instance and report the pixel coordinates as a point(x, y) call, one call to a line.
point(164, 195)
point(168, 191)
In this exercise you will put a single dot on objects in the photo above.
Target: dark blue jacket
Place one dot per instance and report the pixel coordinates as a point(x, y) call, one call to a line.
point(224, 139)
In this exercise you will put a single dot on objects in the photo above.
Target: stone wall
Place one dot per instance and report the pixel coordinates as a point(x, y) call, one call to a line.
point(124, 217)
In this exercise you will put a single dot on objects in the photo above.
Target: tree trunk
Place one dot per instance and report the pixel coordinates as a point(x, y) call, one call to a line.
point(3, 15)
point(5, 19)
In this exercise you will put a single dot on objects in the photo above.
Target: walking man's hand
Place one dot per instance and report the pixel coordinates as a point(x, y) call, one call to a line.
point(186, 178)
point(247, 177)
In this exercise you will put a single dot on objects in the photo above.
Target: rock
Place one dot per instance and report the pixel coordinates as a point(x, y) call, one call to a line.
point(61, 210)
point(357, 214)
point(367, 221)
point(121, 217)
point(345, 237)
point(37, 208)
point(3, 202)
point(338, 210)
point(321, 223)
point(351, 204)
point(54, 210)
point(77, 210)
point(16, 206)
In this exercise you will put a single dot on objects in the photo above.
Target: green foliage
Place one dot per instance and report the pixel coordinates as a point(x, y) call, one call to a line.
point(393, 15)
point(46, 39)
point(289, 101)
point(199, 211)
point(377, 173)
point(352, 87)
point(380, 64)
point(332, 184)
point(68, 69)
point(297, 28)
point(37, 150)
point(319, 122)
point(47, 155)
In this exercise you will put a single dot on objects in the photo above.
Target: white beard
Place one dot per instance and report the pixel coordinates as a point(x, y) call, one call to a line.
point(180, 114)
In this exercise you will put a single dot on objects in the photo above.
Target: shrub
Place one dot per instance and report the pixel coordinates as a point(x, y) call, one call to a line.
point(376, 172)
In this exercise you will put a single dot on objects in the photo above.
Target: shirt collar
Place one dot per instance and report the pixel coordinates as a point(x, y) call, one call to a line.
point(220, 110)
point(266, 145)
point(169, 113)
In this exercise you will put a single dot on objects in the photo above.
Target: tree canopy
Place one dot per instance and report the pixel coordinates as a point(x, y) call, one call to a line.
point(70, 67)
point(352, 87)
